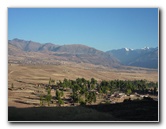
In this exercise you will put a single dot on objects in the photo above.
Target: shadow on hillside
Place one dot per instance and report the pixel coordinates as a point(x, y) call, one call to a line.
point(127, 111)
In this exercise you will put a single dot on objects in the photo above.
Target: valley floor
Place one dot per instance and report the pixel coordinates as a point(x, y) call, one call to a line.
point(25, 78)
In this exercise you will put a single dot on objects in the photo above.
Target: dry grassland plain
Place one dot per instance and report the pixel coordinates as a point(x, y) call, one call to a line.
point(26, 77)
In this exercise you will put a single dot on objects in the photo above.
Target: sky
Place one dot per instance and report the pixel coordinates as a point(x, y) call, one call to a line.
point(101, 28)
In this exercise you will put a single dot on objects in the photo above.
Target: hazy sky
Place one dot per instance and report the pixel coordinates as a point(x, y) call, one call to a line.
point(101, 28)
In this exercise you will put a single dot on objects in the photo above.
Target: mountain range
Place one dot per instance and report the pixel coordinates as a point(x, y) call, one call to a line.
point(21, 51)
point(145, 57)
point(29, 52)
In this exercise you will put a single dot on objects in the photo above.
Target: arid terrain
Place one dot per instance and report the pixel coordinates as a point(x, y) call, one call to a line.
point(25, 78)
point(36, 74)
point(25, 87)
point(83, 64)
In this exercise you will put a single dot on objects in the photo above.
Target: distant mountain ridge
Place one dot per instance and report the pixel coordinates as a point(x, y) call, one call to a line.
point(31, 46)
point(145, 57)
point(74, 53)
point(48, 53)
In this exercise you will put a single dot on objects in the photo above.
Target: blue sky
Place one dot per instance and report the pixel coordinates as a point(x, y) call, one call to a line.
point(101, 28)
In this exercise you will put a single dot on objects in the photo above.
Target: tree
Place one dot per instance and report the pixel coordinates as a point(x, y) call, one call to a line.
point(58, 97)
point(75, 97)
point(90, 97)
point(48, 99)
point(58, 94)
point(92, 86)
point(51, 82)
point(83, 89)
point(65, 83)
point(93, 81)
point(83, 80)
point(81, 101)
point(155, 90)
point(48, 90)
point(60, 102)
point(128, 91)
point(48, 96)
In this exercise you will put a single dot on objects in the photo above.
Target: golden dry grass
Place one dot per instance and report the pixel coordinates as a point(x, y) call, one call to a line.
point(42, 73)
point(24, 78)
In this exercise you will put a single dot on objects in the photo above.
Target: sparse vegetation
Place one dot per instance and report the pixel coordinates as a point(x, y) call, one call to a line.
point(37, 88)
point(89, 91)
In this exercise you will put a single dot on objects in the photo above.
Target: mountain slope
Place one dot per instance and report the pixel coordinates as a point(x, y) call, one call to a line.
point(148, 60)
point(72, 53)
point(13, 50)
point(48, 47)
point(25, 45)
point(146, 57)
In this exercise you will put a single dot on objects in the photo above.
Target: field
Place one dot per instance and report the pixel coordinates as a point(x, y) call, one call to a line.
point(25, 78)
point(42, 73)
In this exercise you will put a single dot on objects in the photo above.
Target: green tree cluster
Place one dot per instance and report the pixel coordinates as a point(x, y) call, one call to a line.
point(86, 91)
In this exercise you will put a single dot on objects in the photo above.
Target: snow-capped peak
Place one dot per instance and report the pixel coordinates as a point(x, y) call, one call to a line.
point(126, 49)
point(145, 48)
